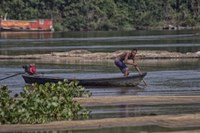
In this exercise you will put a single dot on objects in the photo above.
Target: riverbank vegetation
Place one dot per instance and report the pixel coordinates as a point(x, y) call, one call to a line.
point(43, 103)
point(90, 15)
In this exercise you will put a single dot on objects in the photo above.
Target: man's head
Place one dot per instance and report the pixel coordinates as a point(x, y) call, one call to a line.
point(134, 52)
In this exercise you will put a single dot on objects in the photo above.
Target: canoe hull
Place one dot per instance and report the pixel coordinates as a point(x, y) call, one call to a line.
point(133, 80)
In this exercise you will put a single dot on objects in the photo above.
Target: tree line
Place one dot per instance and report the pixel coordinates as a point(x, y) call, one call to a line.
point(78, 15)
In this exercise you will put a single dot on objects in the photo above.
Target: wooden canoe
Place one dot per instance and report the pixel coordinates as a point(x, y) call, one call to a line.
point(132, 80)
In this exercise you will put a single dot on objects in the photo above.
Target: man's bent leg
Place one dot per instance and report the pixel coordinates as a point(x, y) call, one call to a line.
point(126, 72)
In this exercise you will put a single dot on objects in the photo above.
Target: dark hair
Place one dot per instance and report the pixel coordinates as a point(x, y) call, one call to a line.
point(134, 50)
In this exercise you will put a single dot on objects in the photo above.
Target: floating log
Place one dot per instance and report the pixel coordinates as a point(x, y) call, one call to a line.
point(137, 100)
point(168, 121)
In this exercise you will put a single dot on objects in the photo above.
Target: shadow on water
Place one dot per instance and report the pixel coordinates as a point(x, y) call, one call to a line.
point(115, 91)
point(122, 111)
point(137, 129)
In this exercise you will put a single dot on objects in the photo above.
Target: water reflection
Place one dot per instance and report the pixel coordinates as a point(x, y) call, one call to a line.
point(61, 48)
point(45, 42)
point(25, 35)
point(40, 38)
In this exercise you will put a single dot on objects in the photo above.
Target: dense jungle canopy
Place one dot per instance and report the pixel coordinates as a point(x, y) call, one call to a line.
point(88, 15)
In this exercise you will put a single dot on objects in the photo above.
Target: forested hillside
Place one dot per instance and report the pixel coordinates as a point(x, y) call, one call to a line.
point(76, 15)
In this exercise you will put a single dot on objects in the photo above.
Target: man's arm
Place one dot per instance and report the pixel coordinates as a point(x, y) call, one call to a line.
point(126, 61)
point(132, 63)
point(137, 68)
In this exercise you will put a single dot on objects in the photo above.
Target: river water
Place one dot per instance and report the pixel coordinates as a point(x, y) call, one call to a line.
point(165, 77)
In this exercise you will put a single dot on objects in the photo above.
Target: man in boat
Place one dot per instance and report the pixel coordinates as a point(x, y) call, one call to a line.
point(123, 59)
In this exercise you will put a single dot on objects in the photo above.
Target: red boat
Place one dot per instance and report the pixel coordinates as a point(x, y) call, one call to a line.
point(26, 25)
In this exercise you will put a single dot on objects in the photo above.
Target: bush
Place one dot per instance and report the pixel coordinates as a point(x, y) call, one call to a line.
point(43, 103)
point(58, 27)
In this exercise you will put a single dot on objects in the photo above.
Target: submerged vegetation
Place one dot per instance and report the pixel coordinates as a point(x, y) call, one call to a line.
point(43, 103)
point(106, 14)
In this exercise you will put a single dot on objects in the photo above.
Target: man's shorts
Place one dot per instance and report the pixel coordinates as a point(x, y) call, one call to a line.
point(121, 65)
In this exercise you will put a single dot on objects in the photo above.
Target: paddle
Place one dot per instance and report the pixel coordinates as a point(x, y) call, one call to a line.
point(11, 76)
point(138, 69)
point(144, 82)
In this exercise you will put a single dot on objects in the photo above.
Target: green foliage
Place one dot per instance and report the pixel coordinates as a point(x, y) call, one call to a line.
point(43, 103)
point(105, 14)
point(58, 27)
point(6, 105)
